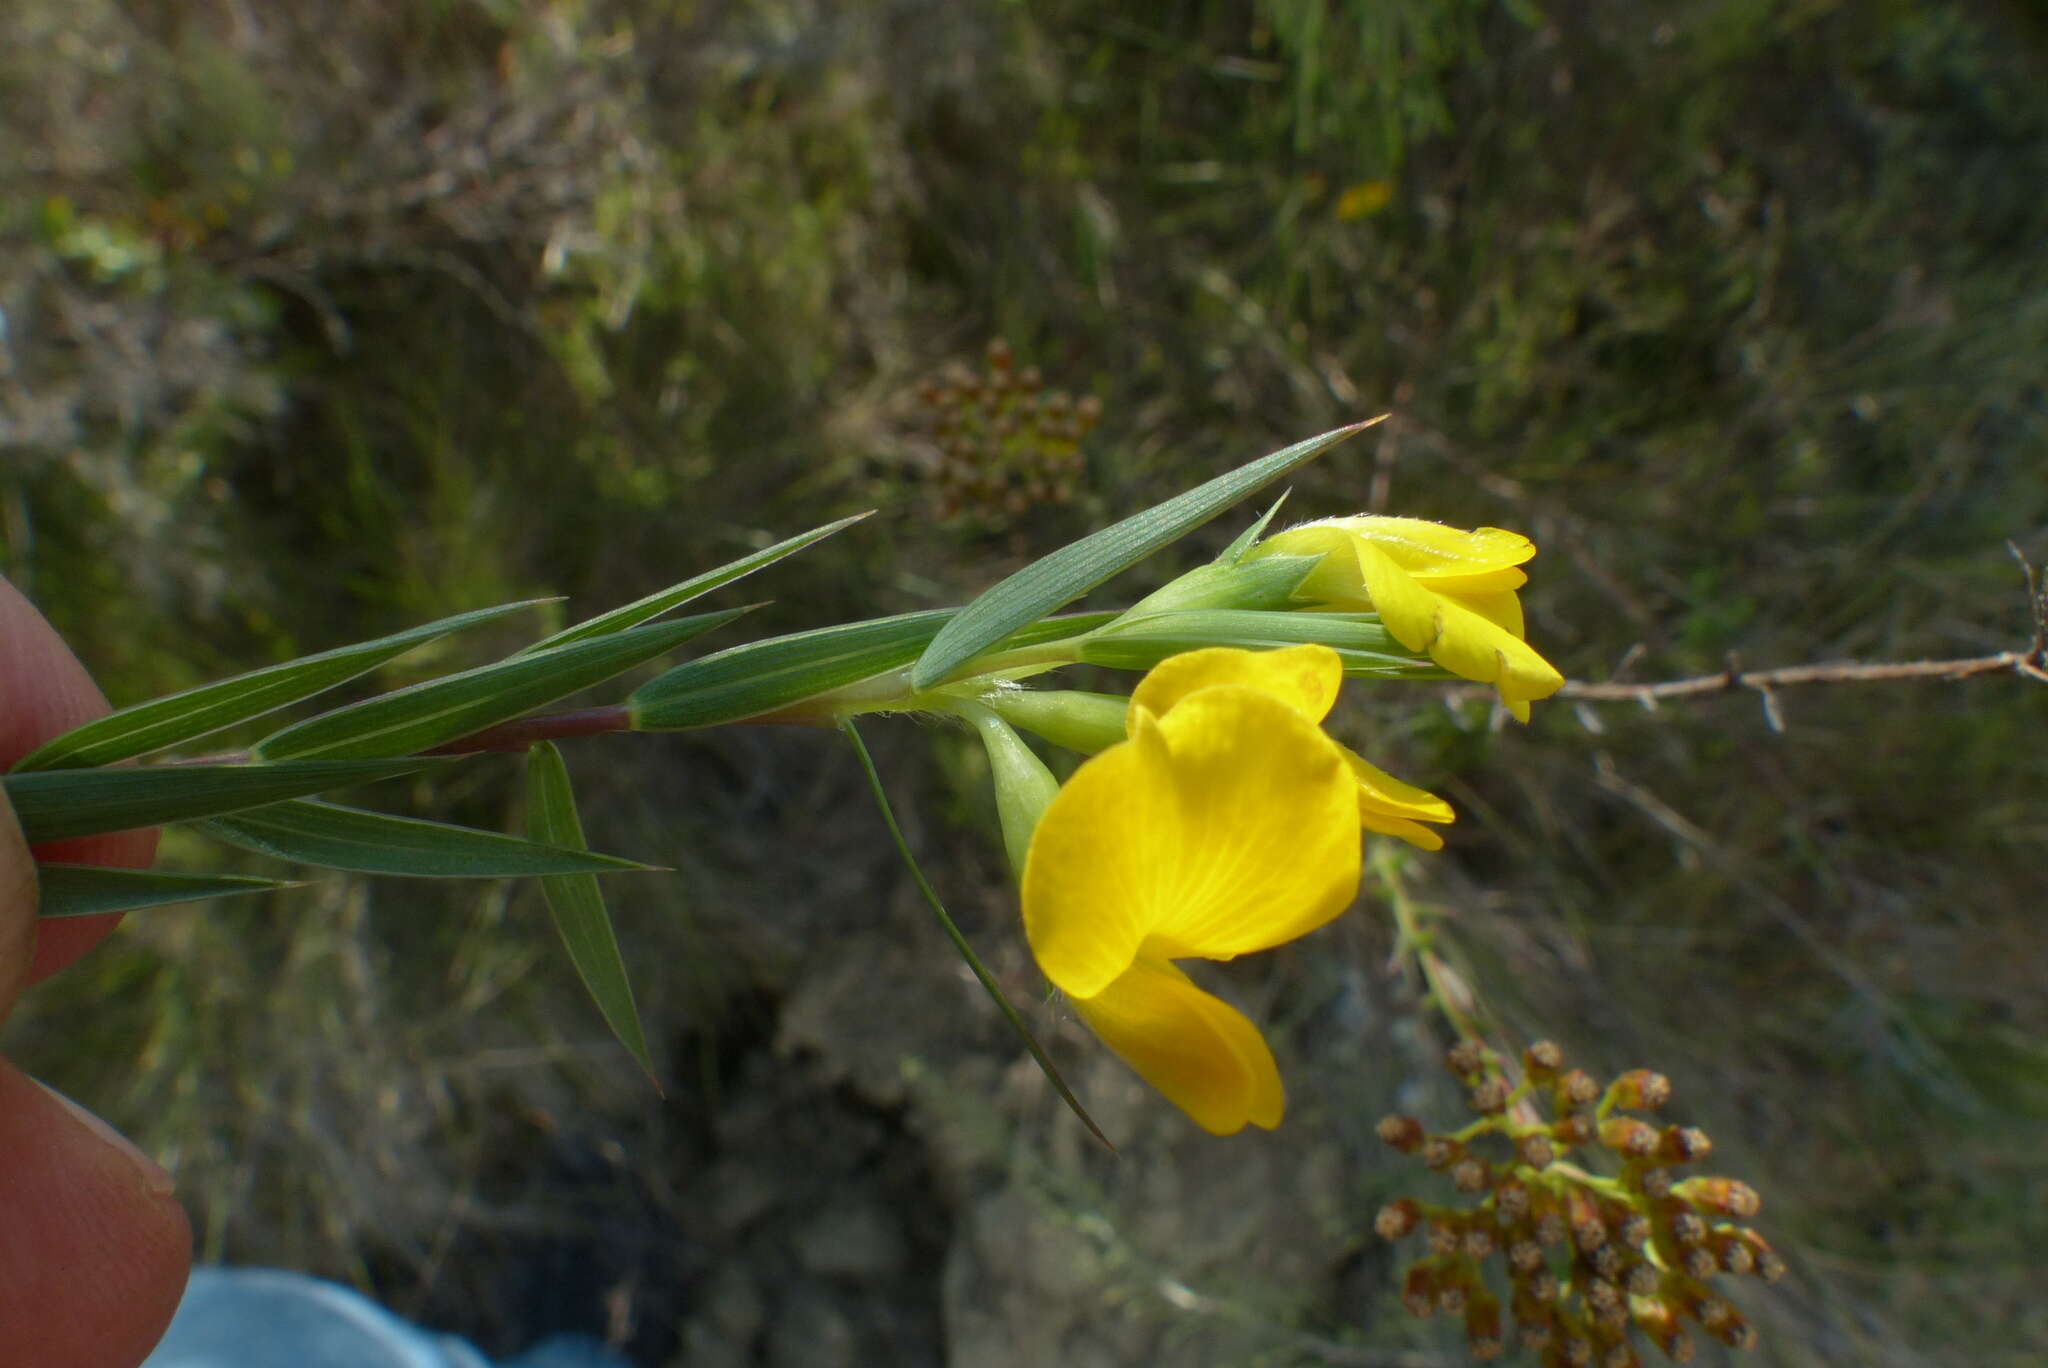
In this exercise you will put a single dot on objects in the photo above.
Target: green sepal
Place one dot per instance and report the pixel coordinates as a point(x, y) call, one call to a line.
point(1369, 651)
point(55, 804)
point(1245, 540)
point(1263, 585)
point(185, 716)
point(458, 705)
point(640, 610)
point(1058, 579)
point(74, 890)
point(576, 903)
point(329, 836)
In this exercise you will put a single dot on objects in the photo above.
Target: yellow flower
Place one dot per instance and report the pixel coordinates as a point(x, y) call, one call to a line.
point(1227, 822)
point(1438, 589)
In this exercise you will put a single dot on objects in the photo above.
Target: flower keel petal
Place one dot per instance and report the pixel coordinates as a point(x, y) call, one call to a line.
point(1196, 1049)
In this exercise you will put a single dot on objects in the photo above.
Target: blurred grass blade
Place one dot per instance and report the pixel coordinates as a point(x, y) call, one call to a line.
point(197, 712)
point(54, 804)
point(1073, 570)
point(576, 903)
point(1368, 650)
point(335, 837)
point(675, 596)
point(763, 676)
point(443, 709)
point(70, 890)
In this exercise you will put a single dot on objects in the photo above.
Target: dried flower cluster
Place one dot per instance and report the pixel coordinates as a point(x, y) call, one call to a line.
point(1006, 443)
point(1591, 1260)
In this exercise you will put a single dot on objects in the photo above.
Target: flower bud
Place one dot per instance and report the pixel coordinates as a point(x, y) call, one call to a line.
point(1542, 1060)
point(1629, 1137)
point(1070, 719)
point(1576, 1089)
point(1024, 786)
point(1403, 1133)
point(1397, 1219)
point(1722, 1196)
point(1684, 1145)
point(1418, 1291)
point(1640, 1090)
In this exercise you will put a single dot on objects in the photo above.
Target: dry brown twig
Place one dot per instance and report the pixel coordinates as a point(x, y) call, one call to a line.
point(2031, 663)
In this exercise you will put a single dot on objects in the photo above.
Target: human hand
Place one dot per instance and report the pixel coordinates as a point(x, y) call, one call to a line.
point(94, 1250)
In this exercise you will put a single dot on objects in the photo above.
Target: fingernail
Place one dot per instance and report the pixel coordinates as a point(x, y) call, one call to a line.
point(154, 1177)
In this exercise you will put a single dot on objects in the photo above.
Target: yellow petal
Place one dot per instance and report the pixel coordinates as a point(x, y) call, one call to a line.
point(1473, 647)
point(1195, 1048)
point(1393, 808)
point(1427, 549)
point(1407, 609)
point(1227, 826)
point(1306, 678)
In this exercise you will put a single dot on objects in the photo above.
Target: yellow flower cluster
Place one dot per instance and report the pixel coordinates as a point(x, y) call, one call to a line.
point(1227, 822)
point(1438, 589)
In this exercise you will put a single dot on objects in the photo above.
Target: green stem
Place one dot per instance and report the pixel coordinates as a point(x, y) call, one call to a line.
point(988, 982)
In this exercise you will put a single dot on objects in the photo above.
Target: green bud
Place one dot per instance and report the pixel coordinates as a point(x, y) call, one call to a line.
point(1267, 583)
point(1024, 786)
point(1069, 718)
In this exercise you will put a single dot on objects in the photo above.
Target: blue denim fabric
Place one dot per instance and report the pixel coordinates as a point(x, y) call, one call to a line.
point(268, 1318)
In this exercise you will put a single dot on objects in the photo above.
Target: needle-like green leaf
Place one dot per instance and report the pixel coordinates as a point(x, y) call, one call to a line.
point(425, 715)
point(1368, 649)
point(54, 804)
point(333, 837)
point(677, 595)
point(577, 904)
point(763, 676)
point(1071, 571)
point(70, 890)
point(199, 712)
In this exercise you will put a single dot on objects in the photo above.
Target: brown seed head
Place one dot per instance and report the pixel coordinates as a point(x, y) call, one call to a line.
point(1470, 1174)
point(1620, 1356)
point(1542, 1287)
point(1684, 1145)
point(1479, 1242)
point(1699, 1263)
point(1576, 1089)
point(1403, 1133)
point(1634, 1230)
point(1536, 1150)
point(1465, 1058)
point(1687, 1228)
point(1482, 1325)
point(1640, 1090)
point(1733, 1330)
point(1439, 1153)
point(1525, 1256)
point(1511, 1201)
point(1445, 1238)
point(1655, 1182)
point(1629, 1137)
point(1418, 1291)
point(1732, 1252)
point(1397, 1219)
point(1451, 1298)
point(1489, 1096)
point(1660, 1326)
point(1769, 1266)
point(1642, 1280)
point(1542, 1060)
point(1610, 1261)
point(1602, 1295)
point(1551, 1228)
point(1578, 1351)
point(1536, 1335)
point(1721, 1196)
point(1576, 1129)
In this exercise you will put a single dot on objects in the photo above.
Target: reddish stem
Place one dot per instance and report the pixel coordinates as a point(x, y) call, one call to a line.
point(518, 735)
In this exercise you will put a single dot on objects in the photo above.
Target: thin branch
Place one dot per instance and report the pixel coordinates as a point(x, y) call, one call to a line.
point(2028, 662)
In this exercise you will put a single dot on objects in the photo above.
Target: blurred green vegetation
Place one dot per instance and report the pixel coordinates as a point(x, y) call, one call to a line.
point(322, 323)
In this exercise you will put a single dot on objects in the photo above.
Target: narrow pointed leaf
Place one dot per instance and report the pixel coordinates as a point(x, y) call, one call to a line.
point(199, 712)
point(70, 890)
point(1073, 570)
point(763, 676)
point(334, 837)
point(576, 903)
point(618, 619)
point(55, 804)
point(440, 710)
point(1367, 648)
